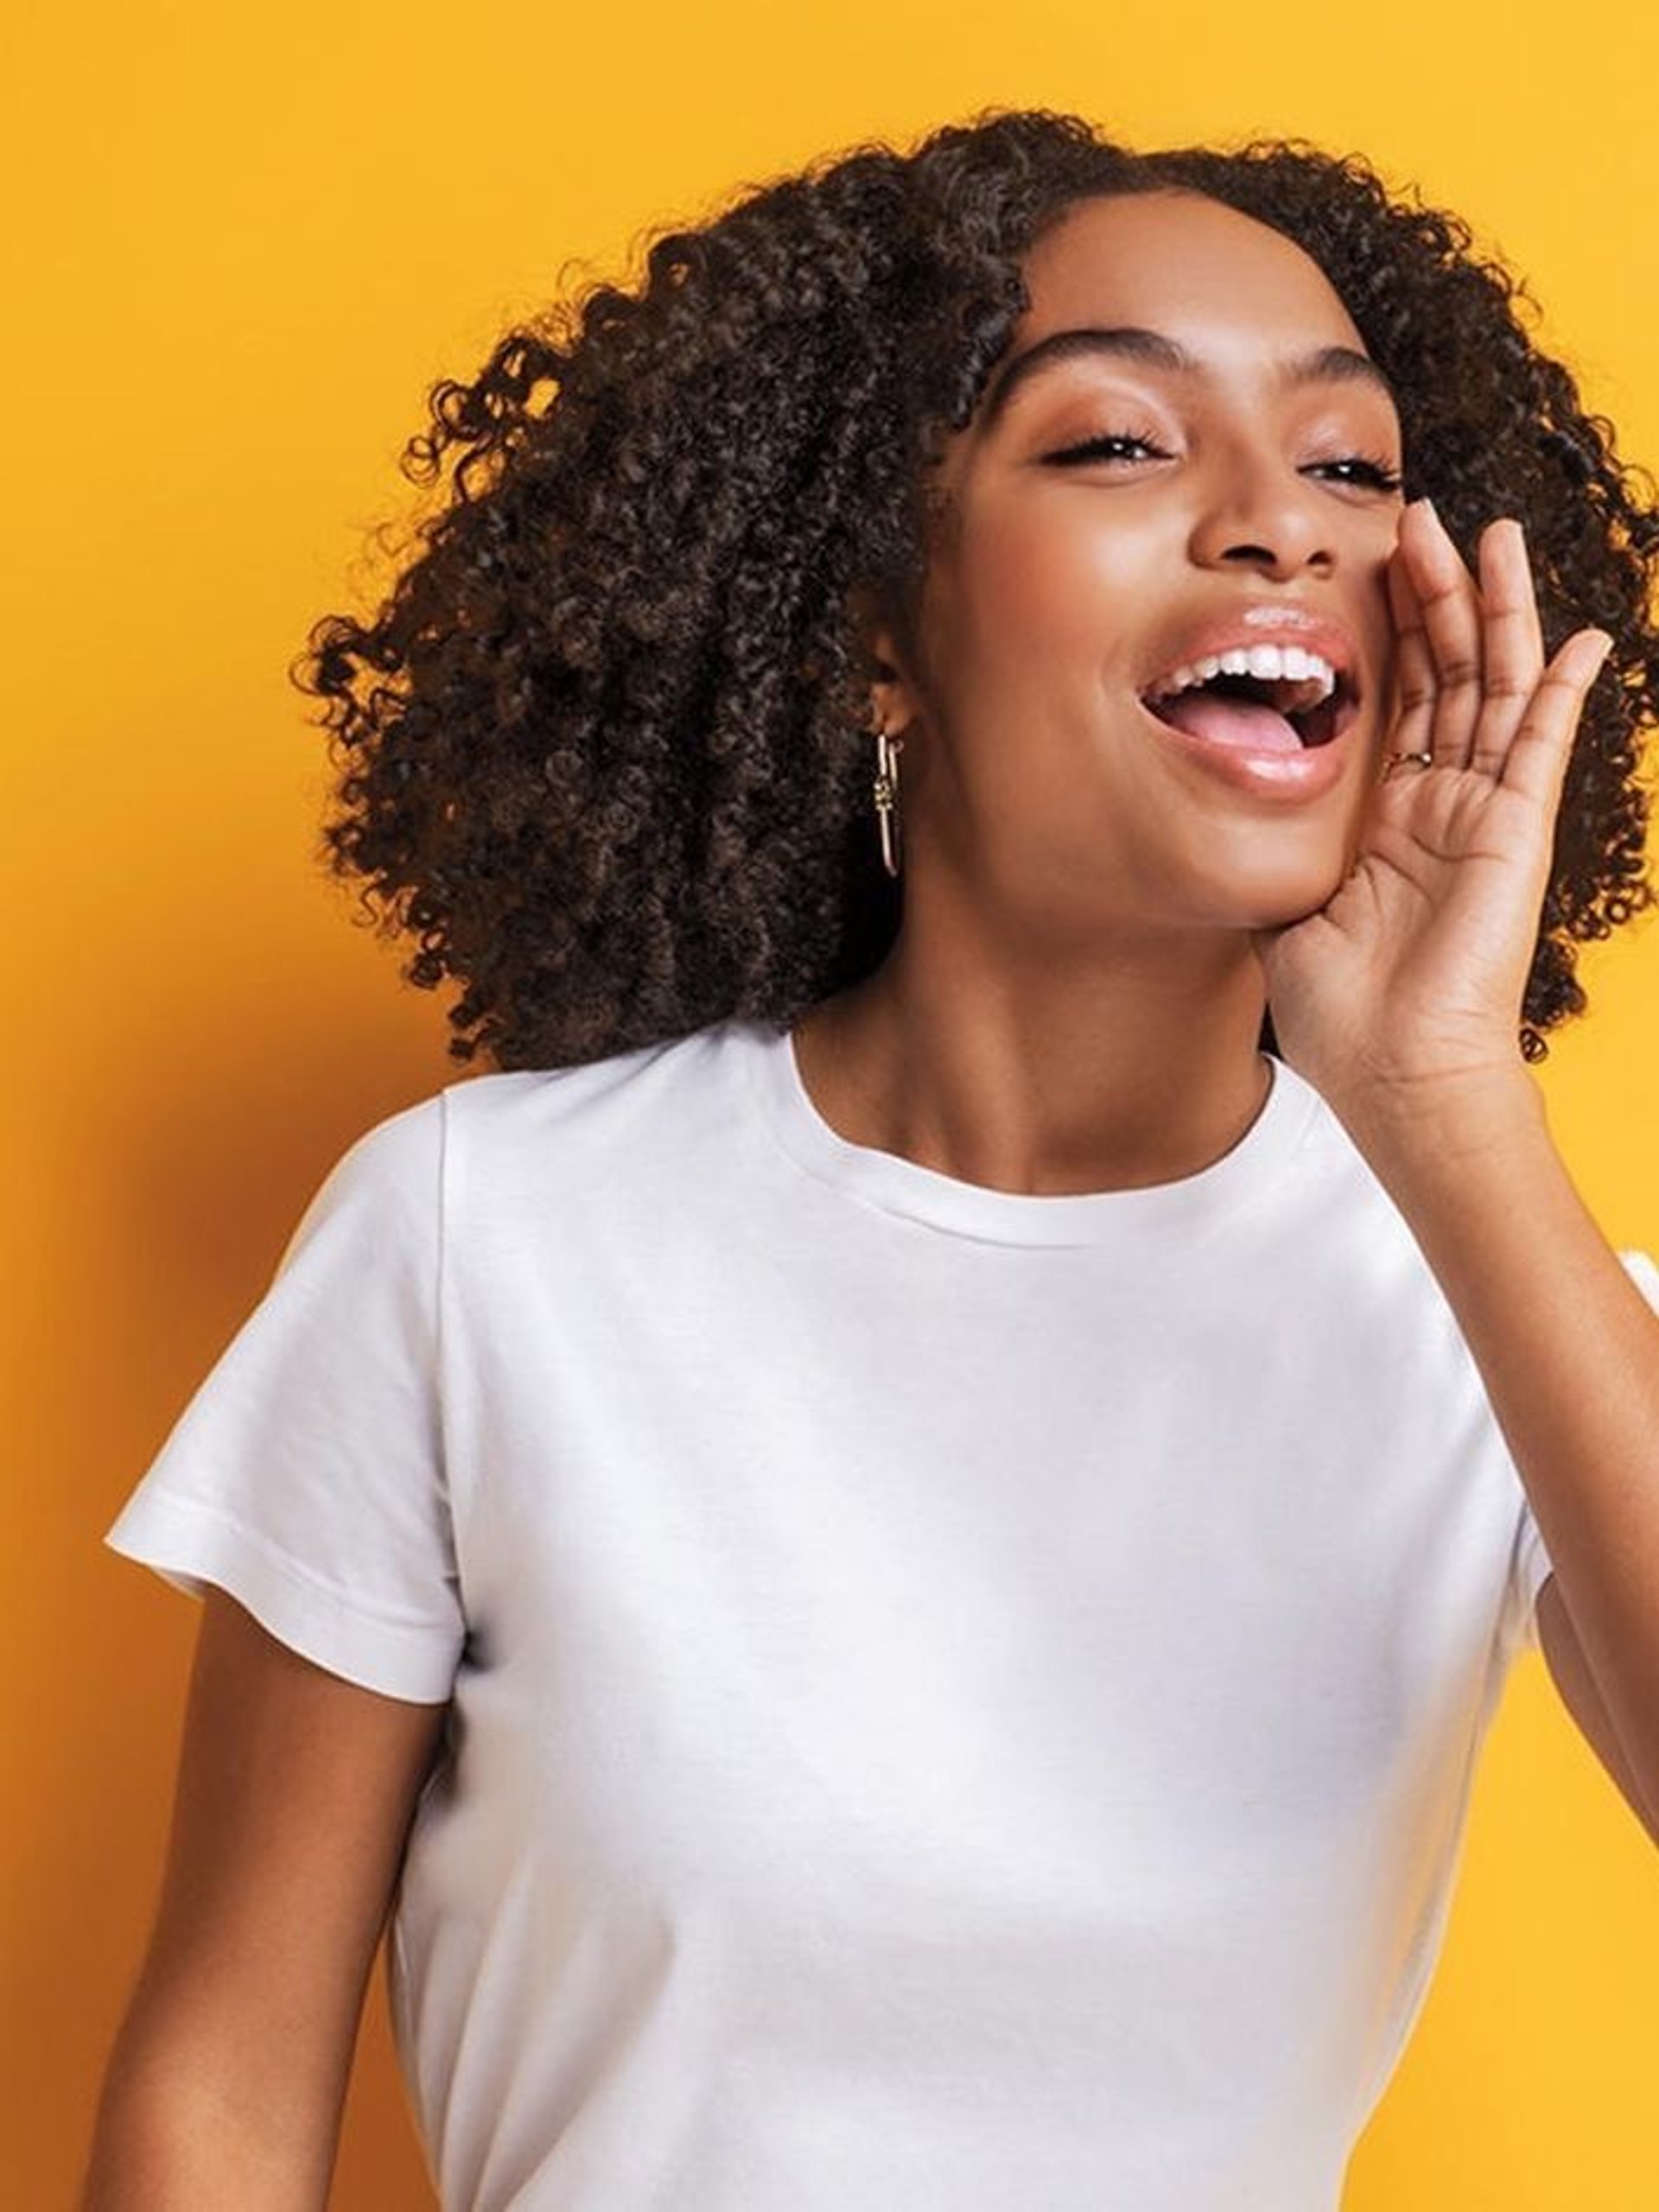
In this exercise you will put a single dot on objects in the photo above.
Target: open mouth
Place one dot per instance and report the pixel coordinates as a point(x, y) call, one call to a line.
point(1265, 713)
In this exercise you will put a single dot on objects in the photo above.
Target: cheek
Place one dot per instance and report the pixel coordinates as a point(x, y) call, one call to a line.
point(1382, 634)
point(1055, 576)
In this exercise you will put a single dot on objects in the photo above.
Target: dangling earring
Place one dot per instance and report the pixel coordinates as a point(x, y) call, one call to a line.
point(885, 788)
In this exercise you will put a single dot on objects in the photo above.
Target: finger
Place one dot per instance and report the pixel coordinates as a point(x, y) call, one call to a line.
point(1414, 664)
point(1535, 763)
point(1451, 605)
point(1513, 643)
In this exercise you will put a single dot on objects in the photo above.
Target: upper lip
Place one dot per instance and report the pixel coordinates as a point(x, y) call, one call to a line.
point(1264, 623)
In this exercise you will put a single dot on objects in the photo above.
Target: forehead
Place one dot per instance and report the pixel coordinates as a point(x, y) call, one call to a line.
point(1205, 274)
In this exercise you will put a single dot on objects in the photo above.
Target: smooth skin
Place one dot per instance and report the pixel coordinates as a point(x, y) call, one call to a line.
point(295, 1795)
point(1073, 1000)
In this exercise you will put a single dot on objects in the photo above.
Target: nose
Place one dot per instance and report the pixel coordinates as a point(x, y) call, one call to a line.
point(1257, 512)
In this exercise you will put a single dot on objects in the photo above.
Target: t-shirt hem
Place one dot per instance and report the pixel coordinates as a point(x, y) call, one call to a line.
point(193, 1547)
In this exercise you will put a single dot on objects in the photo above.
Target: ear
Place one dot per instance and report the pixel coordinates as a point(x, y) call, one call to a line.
point(895, 697)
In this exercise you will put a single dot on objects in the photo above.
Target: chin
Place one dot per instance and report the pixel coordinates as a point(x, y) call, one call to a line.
point(1285, 913)
point(1275, 892)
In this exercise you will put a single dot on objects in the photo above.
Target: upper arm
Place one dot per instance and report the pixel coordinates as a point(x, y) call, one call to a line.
point(1570, 1671)
point(294, 1794)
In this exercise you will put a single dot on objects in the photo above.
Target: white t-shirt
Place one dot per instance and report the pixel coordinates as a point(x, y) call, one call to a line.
point(961, 1700)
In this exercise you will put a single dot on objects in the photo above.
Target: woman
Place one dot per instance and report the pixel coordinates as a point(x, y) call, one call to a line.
point(918, 1512)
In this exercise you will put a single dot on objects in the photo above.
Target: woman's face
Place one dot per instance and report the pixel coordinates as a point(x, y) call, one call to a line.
point(1062, 584)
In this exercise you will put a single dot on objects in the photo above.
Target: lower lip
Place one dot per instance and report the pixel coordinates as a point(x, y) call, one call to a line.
point(1307, 773)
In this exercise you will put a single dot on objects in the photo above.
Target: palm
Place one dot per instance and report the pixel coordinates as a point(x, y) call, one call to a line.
point(1415, 968)
point(1422, 937)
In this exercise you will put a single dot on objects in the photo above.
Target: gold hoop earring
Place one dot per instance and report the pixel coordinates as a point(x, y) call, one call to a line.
point(885, 788)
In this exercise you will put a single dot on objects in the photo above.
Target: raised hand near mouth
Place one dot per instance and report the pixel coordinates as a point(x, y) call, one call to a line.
point(1405, 988)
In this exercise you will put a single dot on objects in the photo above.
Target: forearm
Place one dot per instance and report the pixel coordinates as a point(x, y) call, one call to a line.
point(192, 2117)
point(1568, 1349)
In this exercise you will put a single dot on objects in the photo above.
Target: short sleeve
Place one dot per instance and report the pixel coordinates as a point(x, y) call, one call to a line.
point(305, 1477)
point(1532, 1562)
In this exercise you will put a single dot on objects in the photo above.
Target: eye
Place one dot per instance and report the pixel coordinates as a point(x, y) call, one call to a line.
point(1375, 475)
point(1363, 470)
point(1105, 447)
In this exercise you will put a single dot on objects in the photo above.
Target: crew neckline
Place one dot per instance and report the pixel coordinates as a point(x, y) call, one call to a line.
point(898, 1186)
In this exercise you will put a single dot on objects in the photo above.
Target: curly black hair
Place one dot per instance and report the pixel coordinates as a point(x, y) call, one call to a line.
point(605, 750)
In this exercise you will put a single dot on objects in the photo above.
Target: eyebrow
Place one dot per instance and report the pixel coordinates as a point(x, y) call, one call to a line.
point(1325, 364)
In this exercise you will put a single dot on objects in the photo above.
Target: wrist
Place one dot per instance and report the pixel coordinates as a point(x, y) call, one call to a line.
point(1439, 1126)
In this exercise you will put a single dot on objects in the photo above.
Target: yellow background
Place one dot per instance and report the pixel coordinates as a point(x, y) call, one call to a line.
point(241, 244)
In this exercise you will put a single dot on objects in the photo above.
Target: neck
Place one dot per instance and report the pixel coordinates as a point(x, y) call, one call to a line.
point(1044, 1079)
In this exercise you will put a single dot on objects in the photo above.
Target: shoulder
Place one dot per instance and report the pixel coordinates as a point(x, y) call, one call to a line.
point(406, 1153)
point(551, 1121)
point(390, 1169)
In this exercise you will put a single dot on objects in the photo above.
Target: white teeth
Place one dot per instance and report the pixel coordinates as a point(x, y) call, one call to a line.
point(1269, 664)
